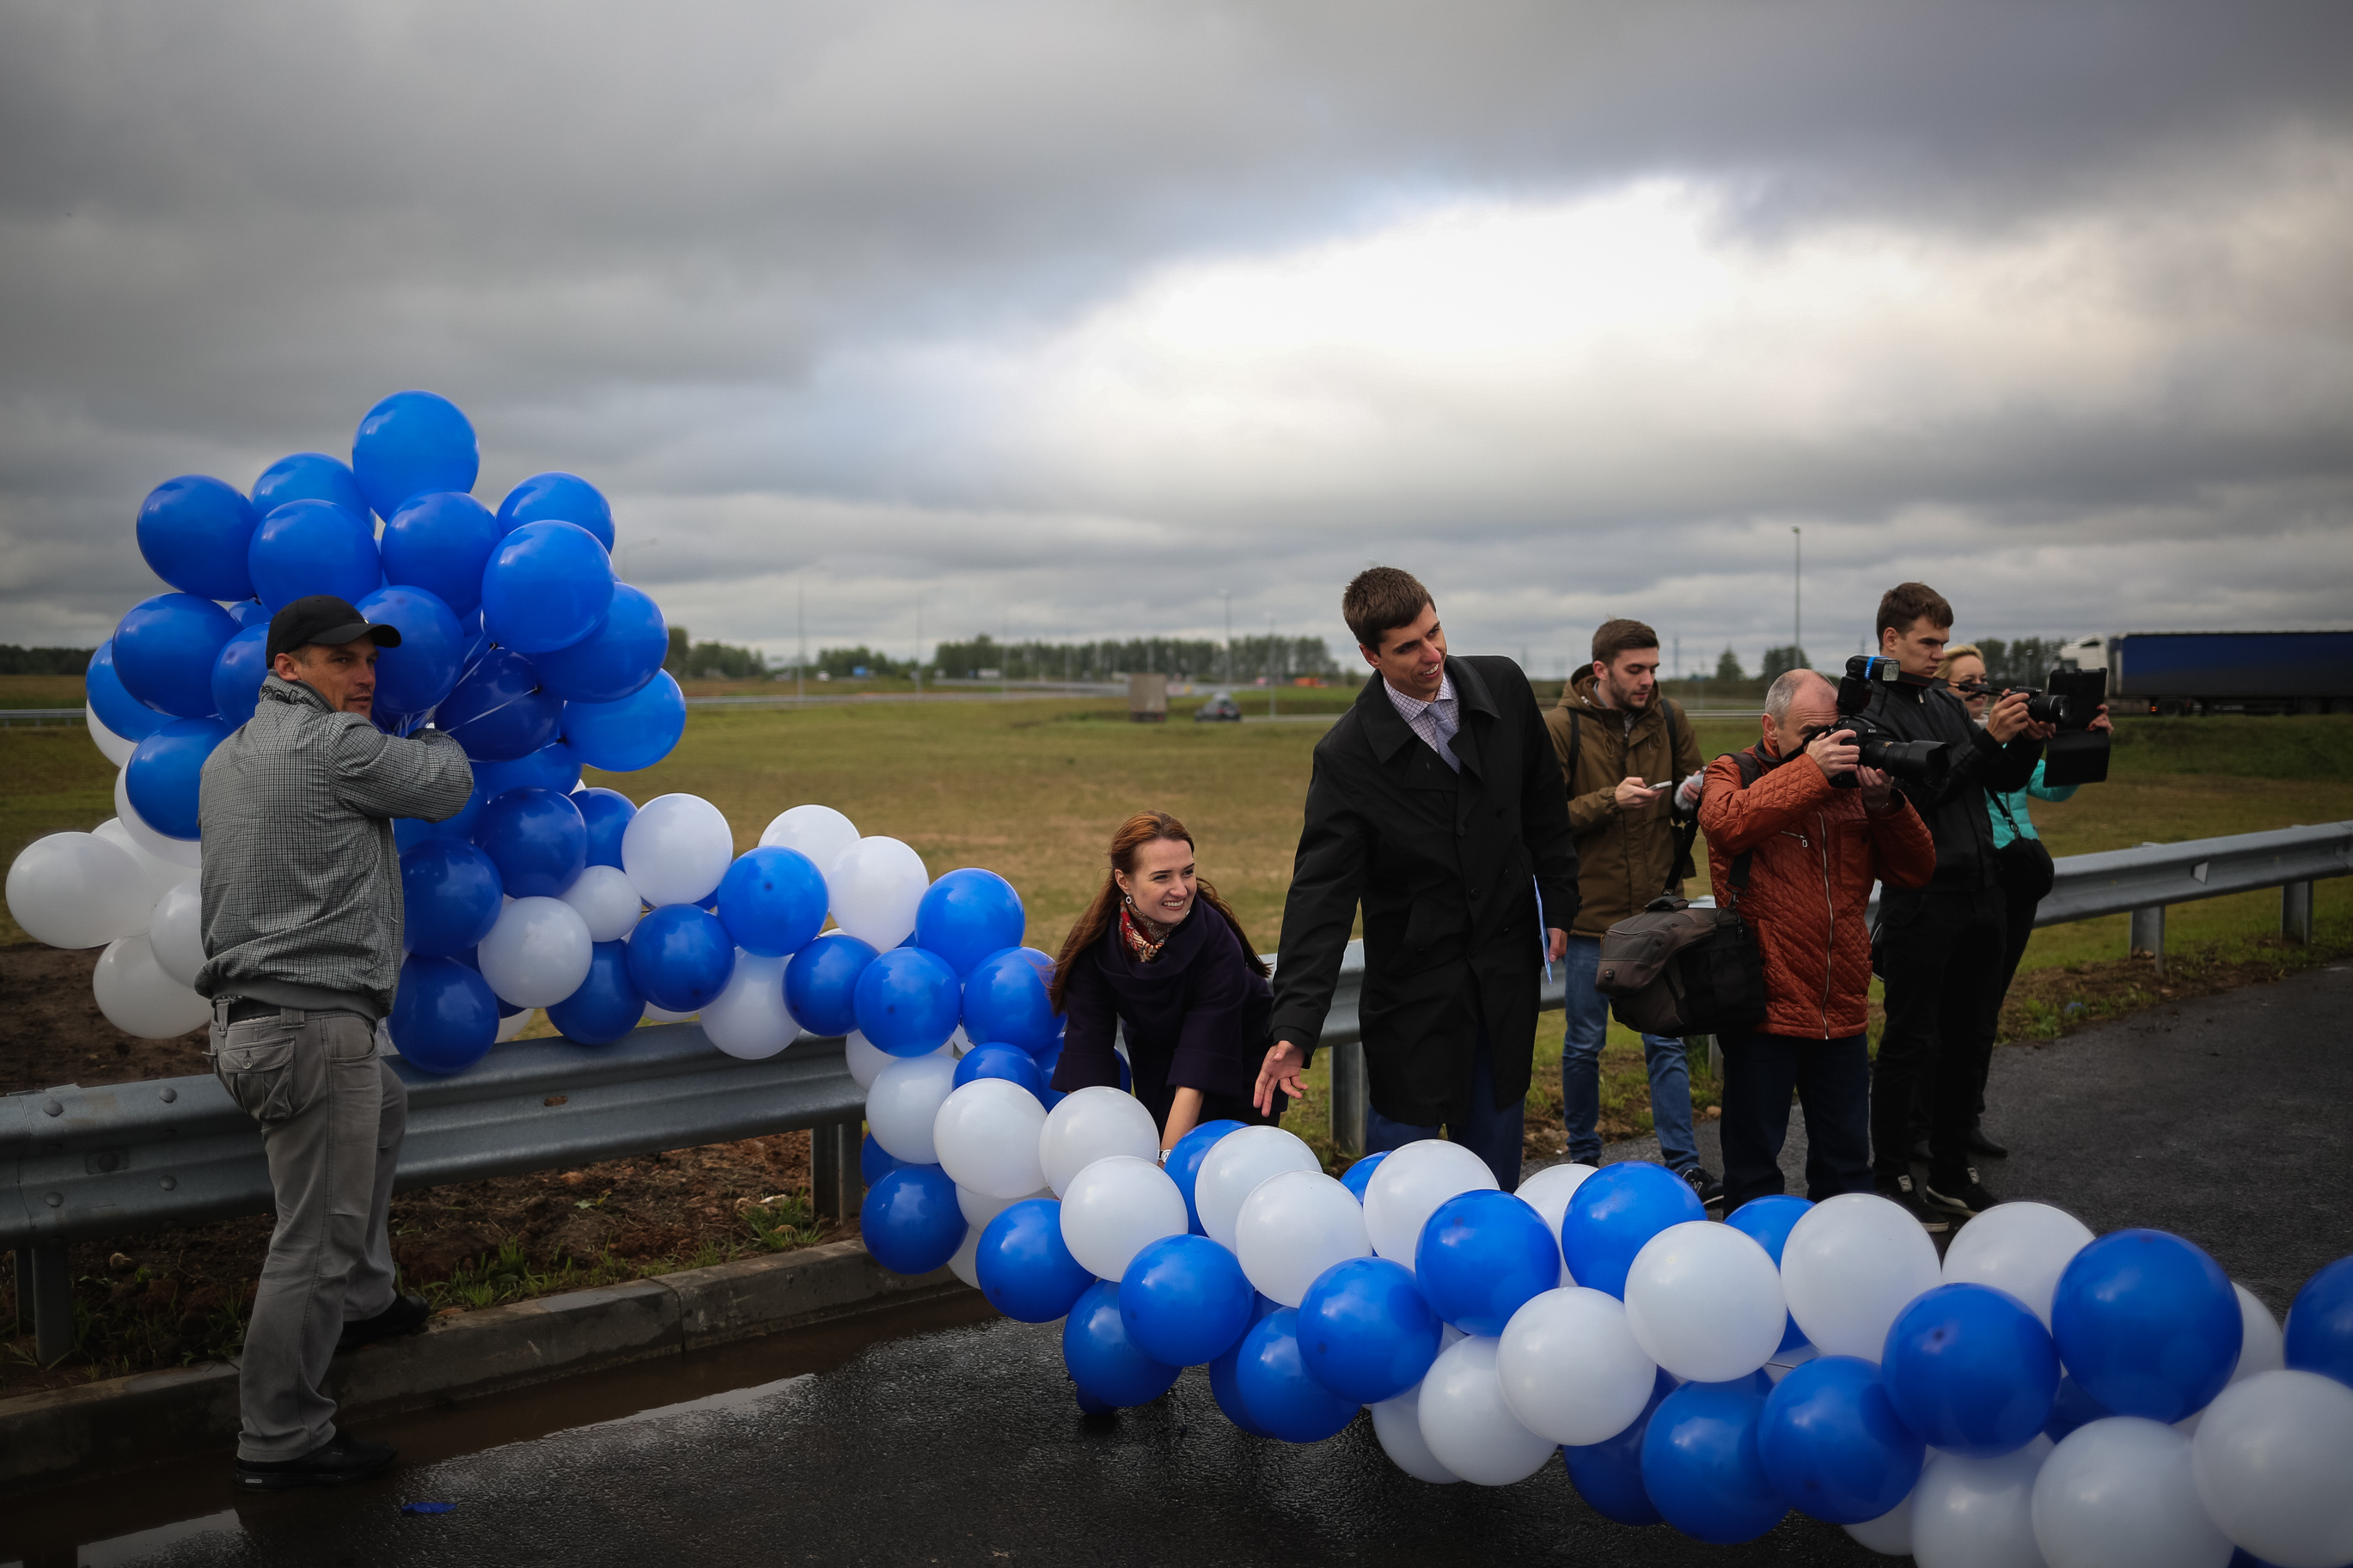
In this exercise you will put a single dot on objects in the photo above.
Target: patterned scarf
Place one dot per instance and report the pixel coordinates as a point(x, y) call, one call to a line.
point(1145, 936)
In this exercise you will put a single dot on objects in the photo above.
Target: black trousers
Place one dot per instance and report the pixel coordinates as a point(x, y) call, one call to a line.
point(2018, 927)
point(1943, 957)
point(1832, 1083)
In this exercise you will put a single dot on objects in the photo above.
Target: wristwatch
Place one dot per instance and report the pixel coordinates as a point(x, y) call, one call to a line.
point(1164, 1155)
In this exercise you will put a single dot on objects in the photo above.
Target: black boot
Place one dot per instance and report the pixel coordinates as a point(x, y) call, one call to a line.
point(336, 1463)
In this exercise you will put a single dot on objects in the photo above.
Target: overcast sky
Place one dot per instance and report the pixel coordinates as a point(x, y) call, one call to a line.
point(1069, 318)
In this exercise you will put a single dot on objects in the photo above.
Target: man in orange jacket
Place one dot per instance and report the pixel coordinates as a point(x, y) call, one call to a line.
point(1797, 833)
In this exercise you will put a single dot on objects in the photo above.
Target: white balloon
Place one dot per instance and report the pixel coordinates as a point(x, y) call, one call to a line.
point(1703, 1301)
point(1548, 1192)
point(117, 748)
point(818, 831)
point(606, 900)
point(538, 953)
point(71, 890)
point(748, 1019)
point(2270, 1465)
point(979, 1208)
point(139, 998)
point(163, 846)
point(986, 1133)
point(1890, 1534)
point(176, 932)
point(1233, 1168)
point(510, 1026)
point(2117, 1493)
point(1089, 1124)
point(875, 886)
point(2261, 1346)
point(158, 875)
point(904, 1102)
point(1571, 1369)
point(1292, 1228)
point(1852, 1263)
point(676, 848)
point(965, 1263)
point(1976, 1514)
point(2019, 1247)
point(1117, 1207)
point(664, 1016)
point(1398, 1423)
point(1407, 1187)
point(1464, 1420)
point(866, 1058)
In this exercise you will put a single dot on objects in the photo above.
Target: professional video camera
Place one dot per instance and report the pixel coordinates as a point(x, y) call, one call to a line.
point(2042, 706)
point(1921, 762)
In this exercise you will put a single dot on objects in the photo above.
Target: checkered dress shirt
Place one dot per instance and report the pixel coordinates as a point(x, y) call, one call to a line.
point(1434, 721)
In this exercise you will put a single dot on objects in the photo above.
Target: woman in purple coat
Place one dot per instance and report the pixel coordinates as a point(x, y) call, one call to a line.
point(1183, 978)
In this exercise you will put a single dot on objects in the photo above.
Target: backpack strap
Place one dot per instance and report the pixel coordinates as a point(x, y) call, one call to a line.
point(1752, 768)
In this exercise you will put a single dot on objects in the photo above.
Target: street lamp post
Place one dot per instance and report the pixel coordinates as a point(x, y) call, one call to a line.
point(1797, 592)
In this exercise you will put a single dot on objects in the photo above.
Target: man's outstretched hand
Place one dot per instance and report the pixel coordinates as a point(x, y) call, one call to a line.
point(1284, 1069)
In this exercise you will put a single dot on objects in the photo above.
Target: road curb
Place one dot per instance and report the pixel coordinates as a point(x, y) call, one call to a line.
point(125, 1422)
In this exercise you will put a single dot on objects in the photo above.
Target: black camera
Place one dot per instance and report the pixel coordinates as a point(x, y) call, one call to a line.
point(2042, 706)
point(1922, 763)
point(2071, 699)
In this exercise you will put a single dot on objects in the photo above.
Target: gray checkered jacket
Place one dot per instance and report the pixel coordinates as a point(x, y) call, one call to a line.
point(300, 882)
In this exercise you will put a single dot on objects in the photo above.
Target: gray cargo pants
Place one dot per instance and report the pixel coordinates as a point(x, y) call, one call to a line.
point(332, 1118)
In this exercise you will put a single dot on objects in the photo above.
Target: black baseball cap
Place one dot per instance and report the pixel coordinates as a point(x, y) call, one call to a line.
point(323, 618)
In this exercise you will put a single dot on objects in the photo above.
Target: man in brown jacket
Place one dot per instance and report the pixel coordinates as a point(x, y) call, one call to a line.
point(1625, 748)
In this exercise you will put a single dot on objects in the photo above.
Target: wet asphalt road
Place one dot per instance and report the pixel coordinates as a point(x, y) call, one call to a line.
point(932, 1436)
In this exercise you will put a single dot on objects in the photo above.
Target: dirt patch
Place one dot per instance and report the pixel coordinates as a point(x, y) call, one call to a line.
point(52, 1032)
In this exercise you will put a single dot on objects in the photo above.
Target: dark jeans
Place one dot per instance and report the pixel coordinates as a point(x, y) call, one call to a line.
point(1942, 957)
point(1494, 1135)
point(1832, 1080)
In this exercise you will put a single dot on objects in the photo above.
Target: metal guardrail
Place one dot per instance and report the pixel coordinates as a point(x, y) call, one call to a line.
point(42, 716)
point(77, 1162)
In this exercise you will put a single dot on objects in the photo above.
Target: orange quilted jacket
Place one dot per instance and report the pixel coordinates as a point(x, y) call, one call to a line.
point(1816, 853)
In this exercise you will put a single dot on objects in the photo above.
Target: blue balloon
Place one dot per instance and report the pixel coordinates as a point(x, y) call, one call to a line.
point(635, 733)
point(309, 547)
point(2147, 1323)
point(410, 443)
point(423, 669)
point(874, 1163)
point(2072, 1408)
point(194, 532)
point(608, 814)
point(1360, 1176)
point(1972, 1368)
point(498, 711)
point(821, 982)
point(2320, 1323)
point(1613, 1213)
point(559, 496)
point(238, 673)
point(165, 773)
point(1047, 1060)
point(1833, 1444)
point(617, 659)
point(772, 900)
point(906, 1001)
point(1005, 999)
point(408, 832)
point(1024, 1268)
point(606, 1006)
point(1225, 1374)
point(248, 613)
point(1009, 1062)
point(552, 766)
point(1185, 1301)
point(1484, 1256)
point(1701, 1464)
point(1367, 1330)
point(536, 839)
point(307, 475)
point(545, 586)
point(1102, 1361)
point(115, 707)
point(680, 960)
point(441, 542)
point(450, 897)
point(164, 651)
point(910, 1220)
point(967, 915)
point(444, 1018)
point(1609, 1474)
point(1767, 1222)
point(1270, 1373)
point(1183, 1165)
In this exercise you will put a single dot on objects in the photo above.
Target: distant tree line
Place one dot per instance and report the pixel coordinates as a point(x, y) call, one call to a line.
point(14, 660)
point(713, 661)
point(1195, 658)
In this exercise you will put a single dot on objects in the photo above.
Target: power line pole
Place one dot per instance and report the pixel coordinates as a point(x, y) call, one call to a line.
point(1797, 592)
point(1227, 595)
point(1274, 678)
point(800, 630)
point(919, 644)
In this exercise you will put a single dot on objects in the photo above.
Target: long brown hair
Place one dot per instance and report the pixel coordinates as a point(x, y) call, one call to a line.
point(1143, 828)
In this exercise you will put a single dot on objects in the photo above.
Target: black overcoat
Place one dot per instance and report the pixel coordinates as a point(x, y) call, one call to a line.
point(1447, 867)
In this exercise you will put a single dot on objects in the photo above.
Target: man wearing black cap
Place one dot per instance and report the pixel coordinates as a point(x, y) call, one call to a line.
point(302, 938)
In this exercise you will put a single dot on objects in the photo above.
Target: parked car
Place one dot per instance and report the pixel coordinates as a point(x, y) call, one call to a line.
point(1220, 708)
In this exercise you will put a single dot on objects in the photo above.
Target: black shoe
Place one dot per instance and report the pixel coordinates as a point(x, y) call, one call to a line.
point(337, 1463)
point(1900, 1191)
point(1962, 1200)
point(1710, 1190)
point(1984, 1147)
point(406, 1315)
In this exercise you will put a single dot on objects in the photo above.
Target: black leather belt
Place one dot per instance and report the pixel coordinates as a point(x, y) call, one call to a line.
point(246, 1008)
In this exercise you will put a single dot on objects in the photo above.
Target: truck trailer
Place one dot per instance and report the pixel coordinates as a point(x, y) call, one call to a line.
point(2174, 673)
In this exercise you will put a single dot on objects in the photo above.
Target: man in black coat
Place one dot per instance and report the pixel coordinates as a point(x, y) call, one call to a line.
point(1437, 805)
